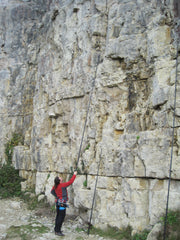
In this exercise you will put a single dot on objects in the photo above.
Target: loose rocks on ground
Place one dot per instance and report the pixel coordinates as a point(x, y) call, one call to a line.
point(17, 223)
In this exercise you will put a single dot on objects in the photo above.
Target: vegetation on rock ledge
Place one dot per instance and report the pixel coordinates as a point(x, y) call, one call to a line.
point(10, 181)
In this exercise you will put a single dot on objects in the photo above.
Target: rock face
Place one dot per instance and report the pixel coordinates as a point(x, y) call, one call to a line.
point(53, 56)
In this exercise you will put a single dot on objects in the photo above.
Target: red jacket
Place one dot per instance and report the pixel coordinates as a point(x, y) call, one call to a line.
point(61, 191)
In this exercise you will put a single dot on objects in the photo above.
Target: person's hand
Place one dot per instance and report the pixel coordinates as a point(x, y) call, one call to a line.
point(75, 173)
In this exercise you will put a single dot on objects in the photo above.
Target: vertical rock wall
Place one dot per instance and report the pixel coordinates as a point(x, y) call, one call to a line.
point(51, 51)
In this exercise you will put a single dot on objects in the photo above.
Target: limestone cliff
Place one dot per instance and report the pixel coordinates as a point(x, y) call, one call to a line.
point(51, 54)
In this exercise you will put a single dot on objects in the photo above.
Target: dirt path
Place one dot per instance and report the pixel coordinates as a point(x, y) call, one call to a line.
point(19, 223)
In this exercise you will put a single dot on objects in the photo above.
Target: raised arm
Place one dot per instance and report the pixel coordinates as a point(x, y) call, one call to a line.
point(66, 184)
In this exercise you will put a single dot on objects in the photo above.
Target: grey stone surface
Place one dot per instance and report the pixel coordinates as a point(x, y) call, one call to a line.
point(50, 52)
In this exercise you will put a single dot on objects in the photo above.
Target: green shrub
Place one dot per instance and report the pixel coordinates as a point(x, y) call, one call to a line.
point(172, 218)
point(141, 236)
point(17, 139)
point(10, 181)
point(172, 226)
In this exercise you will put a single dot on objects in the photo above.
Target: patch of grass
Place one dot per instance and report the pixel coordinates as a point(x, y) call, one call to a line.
point(141, 236)
point(79, 238)
point(85, 183)
point(117, 234)
point(26, 232)
point(32, 201)
point(172, 218)
point(79, 229)
point(172, 226)
point(113, 233)
point(53, 208)
point(87, 147)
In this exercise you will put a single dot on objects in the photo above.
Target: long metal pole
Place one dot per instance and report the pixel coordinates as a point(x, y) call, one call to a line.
point(94, 193)
point(93, 84)
point(170, 169)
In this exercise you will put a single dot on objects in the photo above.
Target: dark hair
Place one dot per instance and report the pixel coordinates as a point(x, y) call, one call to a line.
point(56, 182)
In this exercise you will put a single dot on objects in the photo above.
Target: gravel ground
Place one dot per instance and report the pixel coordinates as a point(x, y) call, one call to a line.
point(19, 223)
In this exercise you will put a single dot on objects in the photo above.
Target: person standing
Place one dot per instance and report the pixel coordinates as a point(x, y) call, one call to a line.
point(59, 191)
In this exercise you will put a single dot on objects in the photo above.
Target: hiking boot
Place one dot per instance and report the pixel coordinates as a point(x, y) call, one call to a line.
point(59, 234)
point(62, 234)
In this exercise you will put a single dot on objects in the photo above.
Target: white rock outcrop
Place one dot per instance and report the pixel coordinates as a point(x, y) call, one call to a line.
point(50, 54)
